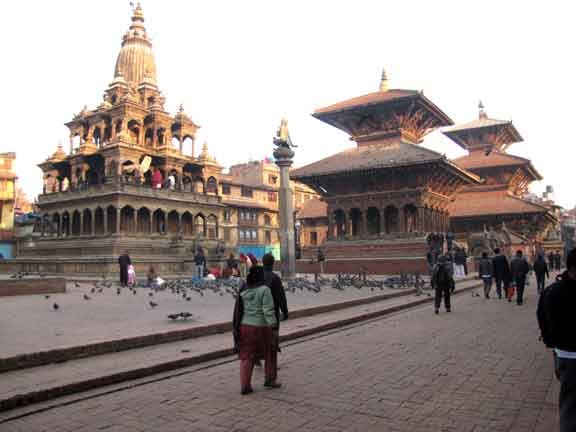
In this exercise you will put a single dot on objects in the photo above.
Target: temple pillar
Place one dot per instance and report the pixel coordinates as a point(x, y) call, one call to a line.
point(364, 224)
point(93, 223)
point(134, 229)
point(152, 231)
point(81, 224)
point(118, 215)
point(330, 225)
point(421, 219)
point(105, 220)
point(180, 225)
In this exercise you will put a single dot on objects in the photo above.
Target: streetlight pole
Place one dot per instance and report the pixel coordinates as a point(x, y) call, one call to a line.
point(284, 154)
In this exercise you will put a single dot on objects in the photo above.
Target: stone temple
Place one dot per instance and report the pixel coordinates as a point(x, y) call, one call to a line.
point(100, 197)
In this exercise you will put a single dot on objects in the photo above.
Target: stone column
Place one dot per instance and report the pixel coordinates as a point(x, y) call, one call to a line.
point(105, 220)
point(93, 223)
point(81, 227)
point(284, 155)
point(135, 223)
point(151, 223)
point(118, 214)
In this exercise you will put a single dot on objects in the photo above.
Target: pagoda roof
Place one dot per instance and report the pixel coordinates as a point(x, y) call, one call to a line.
point(479, 159)
point(369, 99)
point(499, 133)
point(313, 208)
point(403, 104)
point(373, 157)
point(491, 203)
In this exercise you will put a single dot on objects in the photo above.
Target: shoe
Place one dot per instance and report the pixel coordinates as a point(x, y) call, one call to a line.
point(272, 384)
point(448, 310)
point(509, 300)
point(247, 390)
point(436, 311)
point(520, 303)
point(258, 363)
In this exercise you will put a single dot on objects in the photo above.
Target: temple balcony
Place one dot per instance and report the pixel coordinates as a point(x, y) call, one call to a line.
point(138, 190)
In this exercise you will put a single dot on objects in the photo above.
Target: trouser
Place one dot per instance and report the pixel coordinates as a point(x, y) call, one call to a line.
point(520, 285)
point(440, 292)
point(273, 372)
point(541, 281)
point(321, 267)
point(487, 286)
point(566, 374)
point(199, 271)
point(123, 276)
point(500, 283)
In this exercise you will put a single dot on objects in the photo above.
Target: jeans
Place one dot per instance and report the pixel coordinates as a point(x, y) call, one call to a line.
point(442, 291)
point(520, 285)
point(200, 271)
point(566, 374)
point(123, 276)
point(487, 286)
point(501, 284)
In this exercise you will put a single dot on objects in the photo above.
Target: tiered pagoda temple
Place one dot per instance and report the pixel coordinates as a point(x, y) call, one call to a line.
point(496, 207)
point(385, 195)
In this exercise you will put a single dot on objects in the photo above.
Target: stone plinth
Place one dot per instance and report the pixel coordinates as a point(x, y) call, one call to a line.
point(27, 286)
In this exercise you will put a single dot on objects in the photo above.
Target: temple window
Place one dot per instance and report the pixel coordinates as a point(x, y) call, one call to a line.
point(226, 189)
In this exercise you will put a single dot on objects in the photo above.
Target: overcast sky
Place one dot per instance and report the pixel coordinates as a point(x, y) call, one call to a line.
point(239, 66)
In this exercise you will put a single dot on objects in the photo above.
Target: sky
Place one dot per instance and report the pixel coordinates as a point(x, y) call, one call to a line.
point(238, 67)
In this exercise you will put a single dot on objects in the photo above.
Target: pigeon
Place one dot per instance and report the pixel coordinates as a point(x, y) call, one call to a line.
point(118, 291)
point(93, 290)
point(87, 297)
point(42, 274)
point(188, 298)
point(55, 306)
point(150, 294)
point(46, 297)
point(185, 315)
point(174, 316)
point(152, 304)
point(76, 284)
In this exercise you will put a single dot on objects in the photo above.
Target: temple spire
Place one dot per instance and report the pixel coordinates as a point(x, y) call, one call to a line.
point(384, 82)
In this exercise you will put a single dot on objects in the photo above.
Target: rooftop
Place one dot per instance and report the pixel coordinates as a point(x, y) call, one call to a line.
point(480, 159)
point(491, 203)
point(370, 157)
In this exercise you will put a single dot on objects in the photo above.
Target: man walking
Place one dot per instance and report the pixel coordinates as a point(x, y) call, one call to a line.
point(200, 262)
point(501, 270)
point(443, 284)
point(280, 304)
point(485, 271)
point(557, 321)
point(519, 268)
point(321, 259)
point(124, 261)
point(541, 271)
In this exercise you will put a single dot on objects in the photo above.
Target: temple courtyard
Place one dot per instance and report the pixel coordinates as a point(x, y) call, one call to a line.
point(480, 368)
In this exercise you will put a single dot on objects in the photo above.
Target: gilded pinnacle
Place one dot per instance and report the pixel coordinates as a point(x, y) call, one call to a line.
point(384, 82)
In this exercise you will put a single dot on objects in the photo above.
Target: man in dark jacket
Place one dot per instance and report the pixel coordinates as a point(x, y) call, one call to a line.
point(557, 322)
point(200, 263)
point(124, 261)
point(501, 272)
point(519, 268)
point(541, 271)
point(443, 284)
point(280, 304)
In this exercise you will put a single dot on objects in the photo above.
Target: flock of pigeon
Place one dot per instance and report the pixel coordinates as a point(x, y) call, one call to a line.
point(185, 289)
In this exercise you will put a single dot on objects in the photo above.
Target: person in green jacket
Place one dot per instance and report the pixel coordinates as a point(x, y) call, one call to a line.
point(254, 319)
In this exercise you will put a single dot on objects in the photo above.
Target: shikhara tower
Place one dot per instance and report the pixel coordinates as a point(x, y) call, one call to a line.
point(97, 201)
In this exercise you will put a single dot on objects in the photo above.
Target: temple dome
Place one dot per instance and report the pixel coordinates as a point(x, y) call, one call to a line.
point(135, 62)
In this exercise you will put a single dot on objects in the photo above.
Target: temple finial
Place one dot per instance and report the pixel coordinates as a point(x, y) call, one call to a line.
point(481, 112)
point(384, 81)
